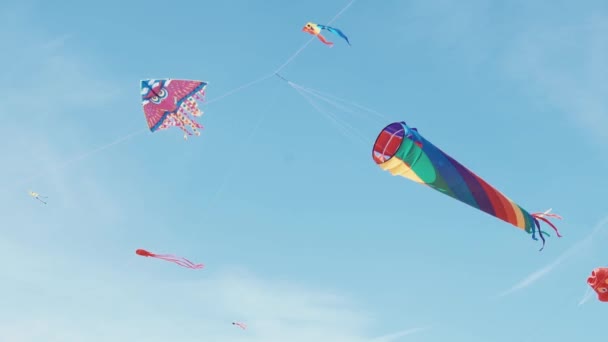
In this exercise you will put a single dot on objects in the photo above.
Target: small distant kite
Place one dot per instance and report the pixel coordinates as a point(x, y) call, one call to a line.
point(599, 283)
point(402, 151)
point(169, 102)
point(172, 258)
point(315, 30)
point(241, 325)
point(37, 196)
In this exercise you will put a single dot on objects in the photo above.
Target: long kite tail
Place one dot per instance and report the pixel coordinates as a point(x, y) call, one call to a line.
point(338, 32)
point(543, 217)
point(179, 261)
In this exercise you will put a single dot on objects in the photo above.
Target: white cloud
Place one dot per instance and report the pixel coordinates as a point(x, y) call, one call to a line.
point(48, 93)
point(128, 304)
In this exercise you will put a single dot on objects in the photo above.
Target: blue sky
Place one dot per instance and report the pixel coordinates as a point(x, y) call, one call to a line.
point(304, 238)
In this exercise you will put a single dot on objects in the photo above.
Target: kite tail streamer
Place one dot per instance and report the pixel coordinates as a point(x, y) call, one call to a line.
point(181, 122)
point(200, 97)
point(543, 217)
point(540, 232)
point(189, 108)
point(179, 261)
point(186, 113)
point(169, 257)
point(183, 115)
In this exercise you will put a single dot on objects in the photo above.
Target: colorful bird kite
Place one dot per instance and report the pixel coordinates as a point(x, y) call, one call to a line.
point(315, 30)
point(169, 102)
point(37, 196)
point(402, 151)
point(172, 258)
point(240, 325)
point(599, 283)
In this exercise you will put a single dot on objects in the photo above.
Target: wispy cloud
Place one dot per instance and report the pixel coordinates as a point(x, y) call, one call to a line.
point(130, 304)
point(46, 88)
point(43, 78)
point(60, 293)
point(567, 66)
point(542, 272)
point(280, 310)
point(398, 335)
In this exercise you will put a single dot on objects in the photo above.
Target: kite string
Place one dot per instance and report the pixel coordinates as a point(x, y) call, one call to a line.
point(232, 168)
point(290, 59)
point(350, 132)
point(341, 11)
point(307, 93)
point(84, 155)
point(237, 89)
point(587, 296)
point(315, 106)
point(134, 133)
point(326, 98)
point(330, 96)
point(231, 92)
point(287, 62)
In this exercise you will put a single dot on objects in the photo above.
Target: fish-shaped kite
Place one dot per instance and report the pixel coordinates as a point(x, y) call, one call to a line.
point(315, 30)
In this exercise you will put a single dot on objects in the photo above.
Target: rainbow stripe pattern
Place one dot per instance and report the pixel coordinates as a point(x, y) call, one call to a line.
point(402, 151)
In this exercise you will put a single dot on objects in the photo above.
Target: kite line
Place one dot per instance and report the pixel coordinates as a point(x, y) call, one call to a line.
point(265, 113)
point(221, 97)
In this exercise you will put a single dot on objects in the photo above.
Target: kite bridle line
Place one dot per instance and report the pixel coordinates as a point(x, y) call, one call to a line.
point(344, 127)
point(411, 166)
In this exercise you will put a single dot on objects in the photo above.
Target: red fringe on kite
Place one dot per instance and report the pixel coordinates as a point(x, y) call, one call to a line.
point(172, 258)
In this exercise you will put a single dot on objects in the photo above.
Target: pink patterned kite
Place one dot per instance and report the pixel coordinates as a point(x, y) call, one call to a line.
point(169, 102)
point(172, 258)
